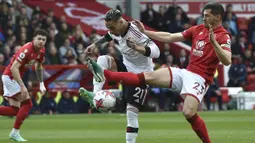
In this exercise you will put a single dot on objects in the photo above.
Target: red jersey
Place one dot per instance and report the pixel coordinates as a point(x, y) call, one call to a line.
point(203, 59)
point(26, 56)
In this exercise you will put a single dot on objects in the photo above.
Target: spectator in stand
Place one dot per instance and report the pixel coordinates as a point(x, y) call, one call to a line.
point(82, 106)
point(2, 60)
point(52, 55)
point(177, 25)
point(70, 57)
point(7, 54)
point(66, 104)
point(249, 61)
point(214, 91)
point(251, 32)
point(47, 22)
point(232, 22)
point(48, 104)
point(94, 36)
point(161, 19)
point(62, 35)
point(149, 16)
point(237, 73)
point(63, 50)
point(226, 26)
point(79, 49)
point(171, 12)
point(229, 9)
point(22, 18)
point(183, 60)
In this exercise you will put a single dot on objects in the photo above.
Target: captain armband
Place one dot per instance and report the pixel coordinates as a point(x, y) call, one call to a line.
point(147, 51)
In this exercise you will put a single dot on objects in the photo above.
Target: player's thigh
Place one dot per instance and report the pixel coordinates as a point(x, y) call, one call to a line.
point(136, 96)
point(160, 77)
point(193, 85)
point(14, 102)
point(21, 98)
point(11, 87)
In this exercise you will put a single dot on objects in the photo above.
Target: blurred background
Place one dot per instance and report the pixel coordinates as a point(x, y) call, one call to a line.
point(73, 25)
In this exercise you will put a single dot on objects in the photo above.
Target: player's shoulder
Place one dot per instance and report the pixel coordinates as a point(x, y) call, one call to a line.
point(135, 31)
point(199, 27)
point(221, 30)
point(27, 46)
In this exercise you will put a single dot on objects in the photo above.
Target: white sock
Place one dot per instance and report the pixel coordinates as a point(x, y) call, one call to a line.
point(105, 63)
point(132, 124)
point(14, 131)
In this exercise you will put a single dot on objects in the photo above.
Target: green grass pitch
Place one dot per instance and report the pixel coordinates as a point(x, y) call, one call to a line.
point(170, 127)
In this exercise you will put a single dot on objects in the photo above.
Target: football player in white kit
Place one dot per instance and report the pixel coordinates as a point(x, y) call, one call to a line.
point(137, 51)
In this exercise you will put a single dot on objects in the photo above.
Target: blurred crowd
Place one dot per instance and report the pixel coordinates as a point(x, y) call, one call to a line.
point(66, 44)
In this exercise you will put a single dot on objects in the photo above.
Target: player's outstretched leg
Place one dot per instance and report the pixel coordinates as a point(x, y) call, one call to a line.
point(197, 123)
point(97, 71)
point(87, 96)
point(21, 116)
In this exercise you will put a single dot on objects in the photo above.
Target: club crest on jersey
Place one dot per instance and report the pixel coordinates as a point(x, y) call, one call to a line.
point(198, 51)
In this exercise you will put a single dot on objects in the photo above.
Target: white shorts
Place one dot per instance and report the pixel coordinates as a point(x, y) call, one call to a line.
point(11, 87)
point(188, 83)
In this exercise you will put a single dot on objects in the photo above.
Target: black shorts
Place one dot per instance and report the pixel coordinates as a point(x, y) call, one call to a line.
point(135, 96)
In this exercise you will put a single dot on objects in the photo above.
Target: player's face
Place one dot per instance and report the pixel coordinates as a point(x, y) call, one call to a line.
point(114, 27)
point(39, 41)
point(209, 18)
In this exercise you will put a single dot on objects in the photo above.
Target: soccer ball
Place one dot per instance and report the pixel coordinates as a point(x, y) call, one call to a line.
point(104, 100)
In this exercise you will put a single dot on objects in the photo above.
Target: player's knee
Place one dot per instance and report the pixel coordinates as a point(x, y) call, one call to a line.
point(188, 113)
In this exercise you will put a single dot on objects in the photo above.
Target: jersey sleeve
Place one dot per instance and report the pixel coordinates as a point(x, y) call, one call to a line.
point(22, 55)
point(225, 42)
point(147, 42)
point(188, 34)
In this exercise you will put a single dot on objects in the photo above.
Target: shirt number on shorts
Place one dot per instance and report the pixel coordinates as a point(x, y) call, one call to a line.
point(140, 94)
point(199, 88)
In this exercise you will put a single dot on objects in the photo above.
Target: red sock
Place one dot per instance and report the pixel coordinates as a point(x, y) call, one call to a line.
point(23, 113)
point(127, 78)
point(8, 110)
point(198, 125)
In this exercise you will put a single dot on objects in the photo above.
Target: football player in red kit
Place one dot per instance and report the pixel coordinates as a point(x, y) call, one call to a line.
point(32, 53)
point(210, 46)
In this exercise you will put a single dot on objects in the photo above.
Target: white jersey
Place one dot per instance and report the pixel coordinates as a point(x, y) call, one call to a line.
point(134, 61)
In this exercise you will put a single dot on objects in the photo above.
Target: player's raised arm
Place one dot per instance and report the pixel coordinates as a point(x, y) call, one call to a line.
point(165, 37)
point(222, 50)
point(39, 73)
point(16, 75)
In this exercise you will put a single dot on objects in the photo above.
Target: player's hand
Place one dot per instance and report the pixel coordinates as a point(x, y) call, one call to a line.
point(131, 42)
point(42, 88)
point(89, 49)
point(139, 24)
point(23, 91)
point(211, 34)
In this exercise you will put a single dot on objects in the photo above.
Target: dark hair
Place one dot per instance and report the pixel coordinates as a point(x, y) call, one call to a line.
point(216, 8)
point(41, 32)
point(112, 15)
